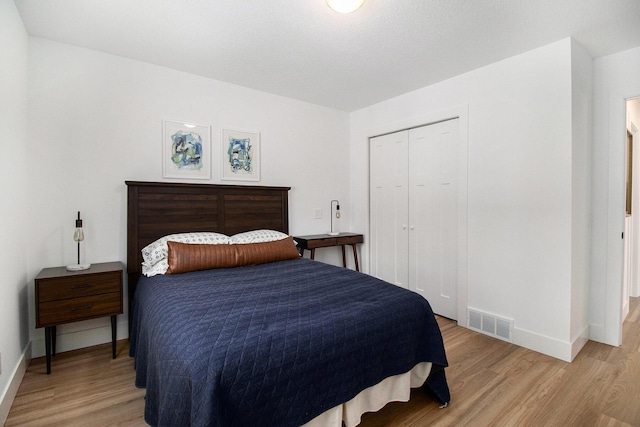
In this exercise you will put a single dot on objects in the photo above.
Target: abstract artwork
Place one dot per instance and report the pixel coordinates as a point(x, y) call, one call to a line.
point(187, 150)
point(240, 155)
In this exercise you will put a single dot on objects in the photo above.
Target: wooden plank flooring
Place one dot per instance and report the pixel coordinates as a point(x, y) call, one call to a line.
point(493, 383)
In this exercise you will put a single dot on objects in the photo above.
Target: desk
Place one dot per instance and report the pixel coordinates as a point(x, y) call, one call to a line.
point(324, 241)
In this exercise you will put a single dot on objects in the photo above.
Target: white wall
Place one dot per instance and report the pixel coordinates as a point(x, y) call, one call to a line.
point(581, 120)
point(96, 121)
point(615, 78)
point(520, 177)
point(14, 212)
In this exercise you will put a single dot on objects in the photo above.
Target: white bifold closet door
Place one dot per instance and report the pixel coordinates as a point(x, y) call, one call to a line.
point(414, 212)
point(389, 208)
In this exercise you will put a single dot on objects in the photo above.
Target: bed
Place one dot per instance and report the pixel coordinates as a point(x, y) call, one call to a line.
point(285, 342)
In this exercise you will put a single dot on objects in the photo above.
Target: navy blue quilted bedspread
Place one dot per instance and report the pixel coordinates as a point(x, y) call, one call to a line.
point(274, 344)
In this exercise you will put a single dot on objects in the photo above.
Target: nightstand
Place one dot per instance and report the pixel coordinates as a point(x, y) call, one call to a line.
point(70, 296)
point(325, 240)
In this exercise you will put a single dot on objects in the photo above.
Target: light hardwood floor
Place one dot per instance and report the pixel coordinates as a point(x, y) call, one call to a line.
point(492, 383)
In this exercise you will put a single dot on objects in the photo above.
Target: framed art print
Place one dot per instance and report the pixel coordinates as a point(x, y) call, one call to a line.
point(240, 155)
point(186, 150)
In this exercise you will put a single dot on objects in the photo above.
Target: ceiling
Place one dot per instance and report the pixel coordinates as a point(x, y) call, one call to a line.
point(301, 49)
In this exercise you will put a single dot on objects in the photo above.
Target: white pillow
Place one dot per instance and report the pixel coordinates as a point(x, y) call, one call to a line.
point(155, 254)
point(258, 236)
point(159, 267)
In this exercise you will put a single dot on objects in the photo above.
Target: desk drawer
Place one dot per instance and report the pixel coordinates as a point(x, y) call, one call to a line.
point(75, 287)
point(349, 240)
point(331, 241)
point(81, 308)
point(321, 243)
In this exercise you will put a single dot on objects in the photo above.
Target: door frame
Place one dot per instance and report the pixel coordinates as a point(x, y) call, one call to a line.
point(634, 289)
point(617, 132)
point(460, 112)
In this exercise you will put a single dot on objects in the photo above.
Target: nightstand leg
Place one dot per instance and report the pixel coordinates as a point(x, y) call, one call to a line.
point(313, 253)
point(54, 335)
point(113, 336)
point(47, 346)
point(344, 258)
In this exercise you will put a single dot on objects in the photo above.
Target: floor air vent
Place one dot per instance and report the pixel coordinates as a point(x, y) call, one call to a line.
point(489, 324)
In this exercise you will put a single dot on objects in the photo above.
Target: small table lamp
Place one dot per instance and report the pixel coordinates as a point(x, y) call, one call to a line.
point(331, 232)
point(78, 236)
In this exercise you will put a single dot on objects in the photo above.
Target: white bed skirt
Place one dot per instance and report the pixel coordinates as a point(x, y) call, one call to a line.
point(393, 389)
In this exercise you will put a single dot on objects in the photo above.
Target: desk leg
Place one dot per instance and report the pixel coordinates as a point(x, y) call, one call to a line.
point(355, 256)
point(344, 258)
point(113, 336)
point(47, 346)
point(313, 253)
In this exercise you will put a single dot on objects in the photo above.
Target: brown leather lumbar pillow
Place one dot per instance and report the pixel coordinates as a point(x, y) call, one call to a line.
point(185, 257)
point(264, 252)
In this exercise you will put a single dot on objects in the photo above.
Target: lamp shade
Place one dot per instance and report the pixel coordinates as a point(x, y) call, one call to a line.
point(78, 236)
point(331, 232)
point(344, 6)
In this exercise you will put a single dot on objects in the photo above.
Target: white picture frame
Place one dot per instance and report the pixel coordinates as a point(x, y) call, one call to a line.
point(240, 155)
point(186, 150)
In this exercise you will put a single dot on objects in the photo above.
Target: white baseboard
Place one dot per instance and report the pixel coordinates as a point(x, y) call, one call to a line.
point(542, 344)
point(81, 338)
point(563, 350)
point(9, 393)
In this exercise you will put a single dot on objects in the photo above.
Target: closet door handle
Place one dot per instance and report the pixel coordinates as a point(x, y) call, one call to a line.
point(412, 227)
point(404, 227)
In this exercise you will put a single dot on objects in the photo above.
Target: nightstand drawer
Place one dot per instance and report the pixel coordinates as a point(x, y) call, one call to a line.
point(70, 310)
point(74, 287)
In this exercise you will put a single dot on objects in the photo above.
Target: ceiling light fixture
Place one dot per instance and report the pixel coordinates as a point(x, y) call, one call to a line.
point(344, 6)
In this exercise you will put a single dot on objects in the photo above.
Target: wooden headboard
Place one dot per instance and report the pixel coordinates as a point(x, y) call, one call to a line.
point(155, 209)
